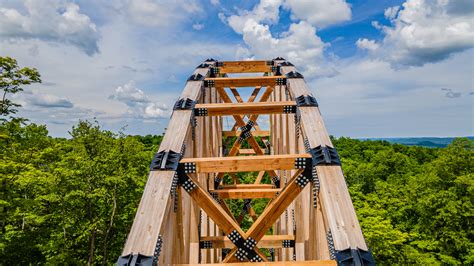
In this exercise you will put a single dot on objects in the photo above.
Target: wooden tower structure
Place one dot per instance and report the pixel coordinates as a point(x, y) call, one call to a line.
point(184, 215)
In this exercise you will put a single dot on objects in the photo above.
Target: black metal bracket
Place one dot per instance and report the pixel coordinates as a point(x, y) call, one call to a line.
point(276, 70)
point(183, 179)
point(324, 155)
point(165, 160)
point(289, 109)
point(245, 247)
point(135, 260)
point(245, 134)
point(217, 182)
point(276, 181)
point(204, 65)
point(196, 77)
point(294, 75)
point(280, 81)
point(208, 83)
point(354, 257)
point(205, 244)
point(200, 112)
point(214, 72)
point(184, 104)
point(286, 63)
point(288, 243)
point(215, 196)
point(306, 100)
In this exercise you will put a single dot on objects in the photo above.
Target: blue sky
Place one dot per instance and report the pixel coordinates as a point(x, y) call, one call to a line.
point(378, 68)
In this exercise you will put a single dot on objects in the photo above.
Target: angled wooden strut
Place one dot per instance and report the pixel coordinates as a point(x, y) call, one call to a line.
point(278, 141)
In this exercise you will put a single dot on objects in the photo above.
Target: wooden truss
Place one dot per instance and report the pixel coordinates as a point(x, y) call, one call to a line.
point(184, 217)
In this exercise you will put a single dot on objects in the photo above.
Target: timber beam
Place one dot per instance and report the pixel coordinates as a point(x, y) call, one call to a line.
point(268, 241)
point(246, 193)
point(244, 66)
point(243, 163)
point(265, 81)
point(220, 109)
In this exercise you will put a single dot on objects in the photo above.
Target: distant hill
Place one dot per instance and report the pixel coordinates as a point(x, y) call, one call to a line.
point(423, 141)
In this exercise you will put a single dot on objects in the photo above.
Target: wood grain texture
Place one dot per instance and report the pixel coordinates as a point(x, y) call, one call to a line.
point(245, 163)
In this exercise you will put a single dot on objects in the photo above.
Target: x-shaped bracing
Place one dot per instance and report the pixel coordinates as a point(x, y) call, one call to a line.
point(246, 130)
point(245, 243)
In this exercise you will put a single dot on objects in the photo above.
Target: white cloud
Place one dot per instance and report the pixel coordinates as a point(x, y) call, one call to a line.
point(370, 45)
point(215, 2)
point(266, 11)
point(368, 98)
point(391, 12)
point(427, 31)
point(320, 13)
point(129, 94)
point(45, 100)
point(139, 105)
point(164, 13)
point(198, 26)
point(300, 44)
point(57, 21)
point(36, 98)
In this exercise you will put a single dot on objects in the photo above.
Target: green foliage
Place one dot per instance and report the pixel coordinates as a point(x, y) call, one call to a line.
point(415, 205)
point(72, 201)
point(68, 201)
point(12, 80)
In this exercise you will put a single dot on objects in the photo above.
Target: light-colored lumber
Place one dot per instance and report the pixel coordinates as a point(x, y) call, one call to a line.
point(245, 163)
point(337, 206)
point(278, 263)
point(247, 186)
point(244, 66)
point(255, 133)
point(246, 193)
point(268, 241)
point(245, 108)
point(264, 81)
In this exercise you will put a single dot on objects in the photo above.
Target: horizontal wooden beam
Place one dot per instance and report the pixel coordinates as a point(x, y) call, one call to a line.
point(244, 67)
point(251, 108)
point(256, 133)
point(263, 81)
point(268, 241)
point(247, 186)
point(277, 263)
point(244, 163)
point(246, 193)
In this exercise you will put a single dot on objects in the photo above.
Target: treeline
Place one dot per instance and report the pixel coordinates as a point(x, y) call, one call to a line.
point(72, 201)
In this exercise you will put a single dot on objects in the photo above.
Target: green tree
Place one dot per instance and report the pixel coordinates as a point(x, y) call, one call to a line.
point(12, 80)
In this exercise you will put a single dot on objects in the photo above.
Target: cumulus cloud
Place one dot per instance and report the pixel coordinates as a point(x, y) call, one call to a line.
point(58, 21)
point(35, 98)
point(162, 13)
point(370, 45)
point(300, 44)
point(425, 31)
point(49, 101)
point(319, 13)
point(266, 11)
point(139, 105)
